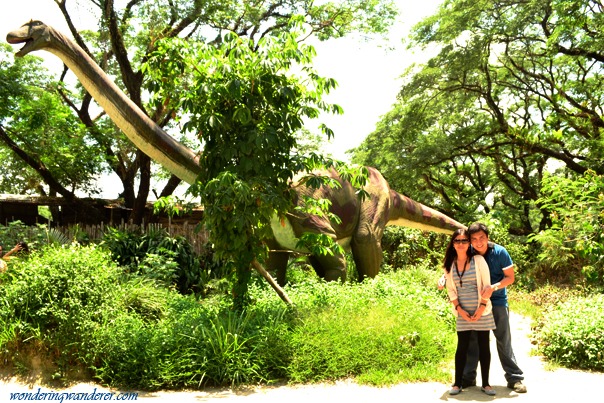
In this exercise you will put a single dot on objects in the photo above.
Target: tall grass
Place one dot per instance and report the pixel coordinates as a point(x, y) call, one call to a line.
point(78, 310)
point(74, 309)
point(391, 329)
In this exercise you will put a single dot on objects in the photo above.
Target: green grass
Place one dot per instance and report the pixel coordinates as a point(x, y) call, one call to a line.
point(74, 310)
point(392, 329)
point(521, 304)
point(79, 311)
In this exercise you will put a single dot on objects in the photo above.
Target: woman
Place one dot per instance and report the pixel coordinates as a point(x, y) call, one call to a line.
point(21, 246)
point(467, 279)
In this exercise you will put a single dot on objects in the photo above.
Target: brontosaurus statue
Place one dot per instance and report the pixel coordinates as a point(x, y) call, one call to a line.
point(362, 223)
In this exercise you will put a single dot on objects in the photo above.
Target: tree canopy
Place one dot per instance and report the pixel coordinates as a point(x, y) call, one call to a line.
point(515, 90)
point(46, 149)
point(129, 32)
point(245, 105)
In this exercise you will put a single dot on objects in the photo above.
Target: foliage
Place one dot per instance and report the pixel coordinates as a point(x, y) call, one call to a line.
point(73, 307)
point(192, 346)
point(172, 206)
point(573, 334)
point(246, 105)
point(156, 255)
point(43, 148)
point(405, 247)
point(514, 91)
point(572, 249)
point(130, 332)
point(359, 330)
point(53, 296)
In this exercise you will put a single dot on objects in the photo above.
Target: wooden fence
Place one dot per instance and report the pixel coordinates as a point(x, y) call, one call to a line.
point(198, 240)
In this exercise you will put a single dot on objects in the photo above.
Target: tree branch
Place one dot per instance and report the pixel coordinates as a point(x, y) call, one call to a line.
point(37, 166)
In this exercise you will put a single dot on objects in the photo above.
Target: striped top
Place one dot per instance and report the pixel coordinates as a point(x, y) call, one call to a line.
point(469, 298)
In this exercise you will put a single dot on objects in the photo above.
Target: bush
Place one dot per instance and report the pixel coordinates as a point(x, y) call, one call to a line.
point(573, 335)
point(409, 247)
point(50, 300)
point(390, 329)
point(159, 256)
point(58, 289)
point(80, 310)
point(75, 307)
point(193, 345)
point(572, 249)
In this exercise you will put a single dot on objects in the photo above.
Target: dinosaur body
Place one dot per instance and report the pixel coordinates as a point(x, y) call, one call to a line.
point(362, 223)
point(361, 228)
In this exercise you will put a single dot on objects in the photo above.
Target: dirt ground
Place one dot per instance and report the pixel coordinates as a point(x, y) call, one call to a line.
point(543, 385)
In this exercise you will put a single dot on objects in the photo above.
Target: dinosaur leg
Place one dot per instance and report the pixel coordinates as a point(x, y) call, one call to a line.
point(367, 254)
point(277, 263)
point(330, 268)
point(317, 266)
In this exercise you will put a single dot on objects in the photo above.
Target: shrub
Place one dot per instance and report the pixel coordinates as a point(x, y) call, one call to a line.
point(573, 247)
point(383, 331)
point(58, 289)
point(393, 328)
point(573, 335)
point(130, 331)
point(408, 247)
point(191, 346)
point(50, 300)
point(159, 256)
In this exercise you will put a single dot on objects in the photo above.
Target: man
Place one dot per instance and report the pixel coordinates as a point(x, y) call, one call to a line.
point(501, 268)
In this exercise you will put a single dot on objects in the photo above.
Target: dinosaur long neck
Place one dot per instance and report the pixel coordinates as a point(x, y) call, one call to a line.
point(409, 213)
point(138, 127)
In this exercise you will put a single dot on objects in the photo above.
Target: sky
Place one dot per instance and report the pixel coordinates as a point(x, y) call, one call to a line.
point(366, 71)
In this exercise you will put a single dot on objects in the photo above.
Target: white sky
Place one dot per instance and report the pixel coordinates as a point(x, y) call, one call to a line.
point(367, 72)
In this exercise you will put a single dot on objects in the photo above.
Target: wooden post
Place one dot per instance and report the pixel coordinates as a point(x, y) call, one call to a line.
point(280, 291)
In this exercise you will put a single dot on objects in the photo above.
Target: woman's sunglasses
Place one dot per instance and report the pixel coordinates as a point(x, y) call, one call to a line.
point(463, 241)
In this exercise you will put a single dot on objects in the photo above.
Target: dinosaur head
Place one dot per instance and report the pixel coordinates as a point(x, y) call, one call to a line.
point(34, 34)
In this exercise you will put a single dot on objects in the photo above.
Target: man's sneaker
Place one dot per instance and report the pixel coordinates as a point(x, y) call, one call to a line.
point(517, 386)
point(467, 384)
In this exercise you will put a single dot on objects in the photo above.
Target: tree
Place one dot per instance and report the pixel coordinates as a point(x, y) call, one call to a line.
point(515, 90)
point(245, 102)
point(129, 32)
point(575, 241)
point(43, 142)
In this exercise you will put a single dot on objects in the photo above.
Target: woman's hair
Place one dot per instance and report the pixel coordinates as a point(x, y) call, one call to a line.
point(451, 253)
point(24, 247)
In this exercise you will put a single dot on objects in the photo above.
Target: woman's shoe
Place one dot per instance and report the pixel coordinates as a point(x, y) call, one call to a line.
point(455, 390)
point(490, 391)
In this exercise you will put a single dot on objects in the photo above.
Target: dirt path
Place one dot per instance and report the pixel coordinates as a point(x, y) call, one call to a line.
point(543, 386)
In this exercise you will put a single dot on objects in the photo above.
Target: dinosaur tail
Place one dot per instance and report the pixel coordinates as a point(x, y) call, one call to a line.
point(409, 213)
